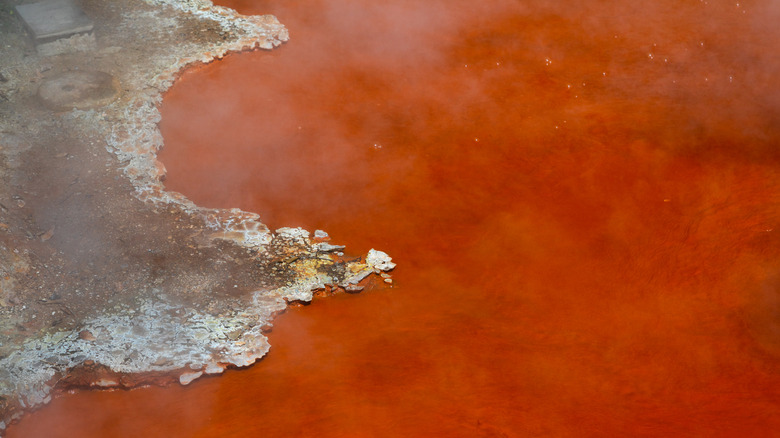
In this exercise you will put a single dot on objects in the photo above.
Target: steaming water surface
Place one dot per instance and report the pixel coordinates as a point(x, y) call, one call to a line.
point(582, 199)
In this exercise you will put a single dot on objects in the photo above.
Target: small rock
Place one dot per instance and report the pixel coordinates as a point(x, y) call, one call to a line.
point(86, 335)
point(327, 247)
point(187, 378)
point(47, 235)
point(379, 260)
point(105, 383)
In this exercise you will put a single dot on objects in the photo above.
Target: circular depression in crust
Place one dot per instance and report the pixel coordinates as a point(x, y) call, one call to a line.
point(78, 89)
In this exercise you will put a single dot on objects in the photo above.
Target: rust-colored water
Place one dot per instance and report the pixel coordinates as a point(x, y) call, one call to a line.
point(583, 199)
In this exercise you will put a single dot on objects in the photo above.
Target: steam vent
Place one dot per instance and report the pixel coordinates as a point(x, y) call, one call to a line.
point(106, 278)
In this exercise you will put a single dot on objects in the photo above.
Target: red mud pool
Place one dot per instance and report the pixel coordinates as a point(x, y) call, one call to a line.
point(583, 199)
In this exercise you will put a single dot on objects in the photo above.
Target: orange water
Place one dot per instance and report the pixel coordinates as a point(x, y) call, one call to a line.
point(583, 200)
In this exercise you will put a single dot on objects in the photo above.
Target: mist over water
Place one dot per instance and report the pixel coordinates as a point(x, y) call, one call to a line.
point(583, 199)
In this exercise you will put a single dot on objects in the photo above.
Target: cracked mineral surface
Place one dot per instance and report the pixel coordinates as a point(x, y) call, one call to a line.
point(106, 278)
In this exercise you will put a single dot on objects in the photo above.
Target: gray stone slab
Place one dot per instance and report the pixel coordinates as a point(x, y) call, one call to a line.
point(53, 19)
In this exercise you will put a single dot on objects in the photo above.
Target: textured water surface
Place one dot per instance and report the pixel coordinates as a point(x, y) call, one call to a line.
point(582, 200)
